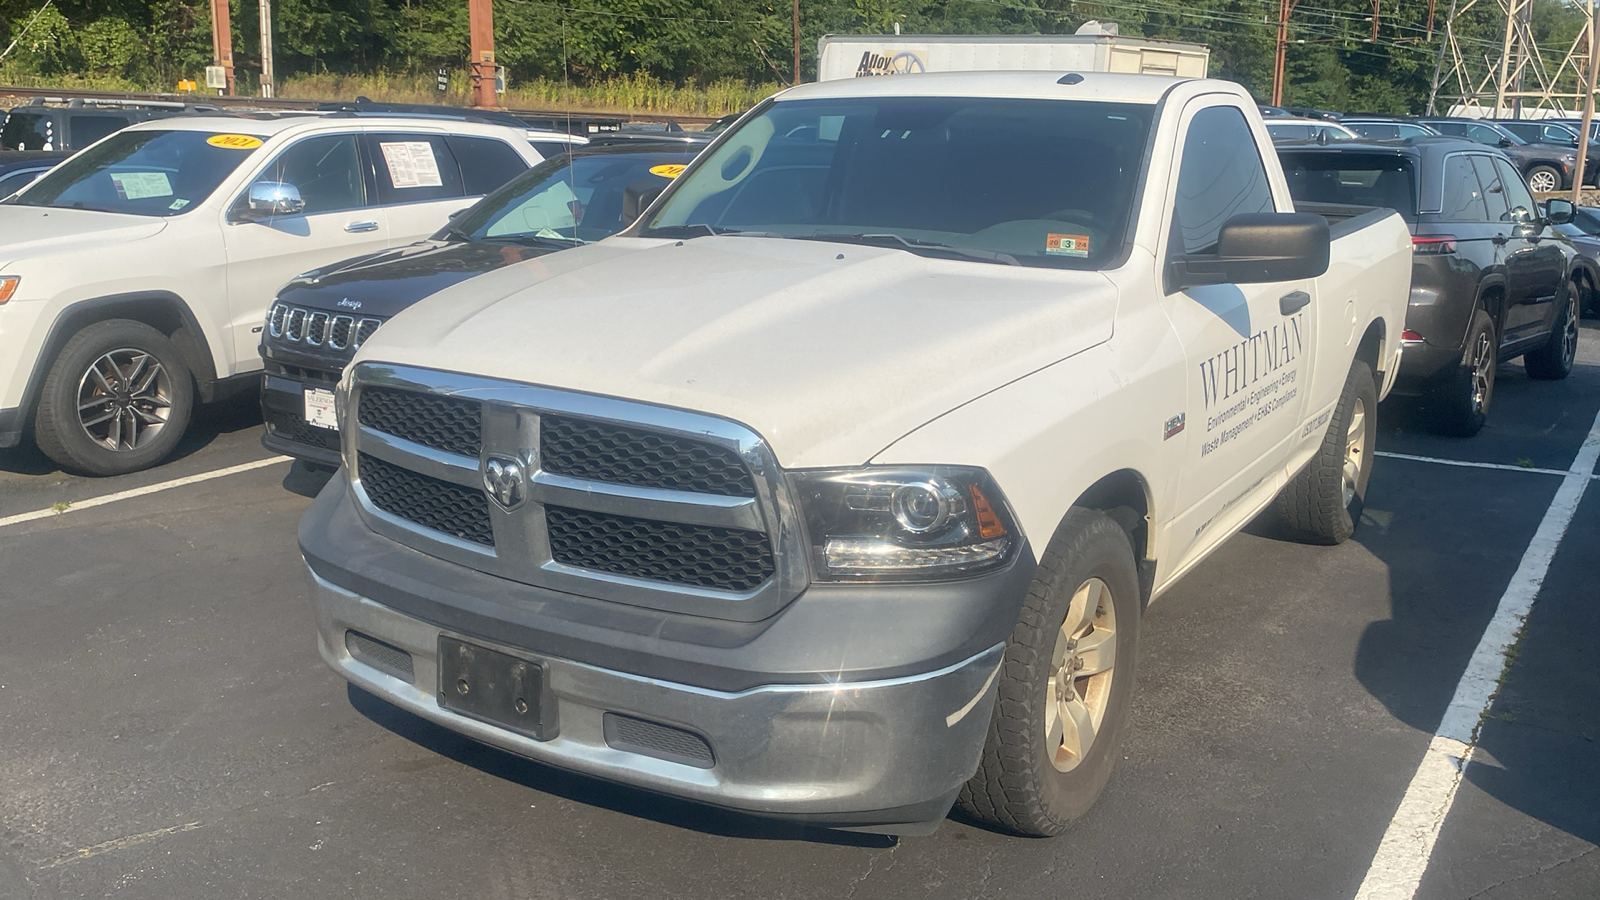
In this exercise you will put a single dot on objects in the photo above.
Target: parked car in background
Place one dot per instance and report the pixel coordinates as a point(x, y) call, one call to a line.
point(322, 317)
point(20, 168)
point(1298, 129)
point(1547, 167)
point(1541, 131)
point(71, 126)
point(1380, 129)
point(1491, 277)
point(138, 273)
point(1584, 232)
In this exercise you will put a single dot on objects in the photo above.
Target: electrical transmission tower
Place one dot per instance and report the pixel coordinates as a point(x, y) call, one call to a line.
point(1476, 77)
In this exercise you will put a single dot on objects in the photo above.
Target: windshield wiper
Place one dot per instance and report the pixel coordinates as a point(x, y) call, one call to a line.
point(915, 245)
point(541, 240)
point(452, 232)
point(698, 229)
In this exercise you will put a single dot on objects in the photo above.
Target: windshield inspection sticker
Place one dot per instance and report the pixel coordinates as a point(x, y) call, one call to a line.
point(141, 185)
point(411, 164)
point(1067, 244)
point(668, 171)
point(178, 204)
point(234, 141)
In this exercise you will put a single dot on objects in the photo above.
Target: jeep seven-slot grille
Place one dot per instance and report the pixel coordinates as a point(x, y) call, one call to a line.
point(433, 420)
point(444, 507)
point(318, 328)
point(602, 451)
point(697, 555)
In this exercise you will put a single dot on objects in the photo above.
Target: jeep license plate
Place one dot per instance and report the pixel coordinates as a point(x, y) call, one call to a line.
point(495, 687)
point(319, 408)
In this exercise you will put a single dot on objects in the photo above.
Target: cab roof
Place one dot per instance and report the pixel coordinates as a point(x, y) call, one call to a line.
point(1042, 85)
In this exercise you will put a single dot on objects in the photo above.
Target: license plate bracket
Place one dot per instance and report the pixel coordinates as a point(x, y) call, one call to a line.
point(503, 690)
point(319, 408)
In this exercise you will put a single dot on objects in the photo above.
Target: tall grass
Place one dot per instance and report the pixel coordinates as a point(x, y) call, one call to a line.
point(623, 94)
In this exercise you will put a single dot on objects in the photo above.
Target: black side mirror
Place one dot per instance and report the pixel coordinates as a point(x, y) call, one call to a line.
point(638, 196)
point(1558, 212)
point(1504, 142)
point(1257, 247)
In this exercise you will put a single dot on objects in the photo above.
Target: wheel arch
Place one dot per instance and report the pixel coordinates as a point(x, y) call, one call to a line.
point(1125, 497)
point(162, 310)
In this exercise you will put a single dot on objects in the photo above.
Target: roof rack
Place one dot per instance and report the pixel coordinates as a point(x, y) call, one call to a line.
point(364, 106)
point(105, 103)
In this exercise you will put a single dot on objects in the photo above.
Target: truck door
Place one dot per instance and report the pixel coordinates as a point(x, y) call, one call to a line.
point(1535, 265)
point(1248, 346)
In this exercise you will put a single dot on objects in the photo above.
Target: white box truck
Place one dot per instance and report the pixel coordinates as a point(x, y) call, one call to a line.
point(860, 55)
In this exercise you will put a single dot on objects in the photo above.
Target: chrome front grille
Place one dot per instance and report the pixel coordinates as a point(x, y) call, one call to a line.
point(621, 501)
point(319, 328)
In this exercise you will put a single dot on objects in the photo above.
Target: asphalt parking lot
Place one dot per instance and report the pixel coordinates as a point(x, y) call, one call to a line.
point(167, 729)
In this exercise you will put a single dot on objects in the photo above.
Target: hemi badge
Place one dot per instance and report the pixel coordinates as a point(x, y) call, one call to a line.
point(1174, 425)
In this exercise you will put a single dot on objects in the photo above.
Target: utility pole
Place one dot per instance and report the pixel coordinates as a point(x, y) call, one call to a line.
point(222, 39)
point(267, 81)
point(1284, 8)
point(796, 41)
point(1376, 8)
point(1588, 106)
point(1438, 66)
point(480, 27)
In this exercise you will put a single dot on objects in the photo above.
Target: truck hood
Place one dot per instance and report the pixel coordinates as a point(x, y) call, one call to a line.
point(384, 283)
point(831, 352)
point(28, 231)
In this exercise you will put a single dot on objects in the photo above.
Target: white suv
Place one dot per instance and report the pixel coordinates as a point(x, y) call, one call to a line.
point(135, 277)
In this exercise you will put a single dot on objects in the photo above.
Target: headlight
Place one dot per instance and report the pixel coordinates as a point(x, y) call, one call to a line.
point(1569, 158)
point(905, 523)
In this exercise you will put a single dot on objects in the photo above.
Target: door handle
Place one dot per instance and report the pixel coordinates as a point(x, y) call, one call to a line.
point(357, 227)
point(1293, 302)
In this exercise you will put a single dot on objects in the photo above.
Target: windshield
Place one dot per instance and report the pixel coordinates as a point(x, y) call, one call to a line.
point(573, 197)
point(1031, 182)
point(1584, 224)
point(145, 173)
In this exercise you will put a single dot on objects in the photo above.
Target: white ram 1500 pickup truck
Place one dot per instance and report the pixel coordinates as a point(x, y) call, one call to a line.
point(834, 488)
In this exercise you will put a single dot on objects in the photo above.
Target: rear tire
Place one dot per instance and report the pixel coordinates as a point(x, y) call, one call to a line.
point(1065, 684)
point(116, 400)
point(1322, 503)
point(1467, 391)
point(1553, 361)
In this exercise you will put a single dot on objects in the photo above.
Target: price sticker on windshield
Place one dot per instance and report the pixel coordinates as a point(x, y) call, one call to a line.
point(1066, 244)
point(234, 141)
point(671, 170)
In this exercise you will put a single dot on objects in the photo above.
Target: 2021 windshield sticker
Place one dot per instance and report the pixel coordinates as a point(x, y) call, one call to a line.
point(411, 164)
point(234, 141)
point(1250, 380)
point(668, 170)
point(1066, 244)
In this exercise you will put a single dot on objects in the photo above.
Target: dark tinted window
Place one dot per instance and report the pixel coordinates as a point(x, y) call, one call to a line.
point(1375, 131)
point(1463, 195)
point(1046, 182)
point(1220, 177)
point(1483, 134)
point(414, 168)
point(1407, 131)
point(1586, 222)
point(147, 173)
point(485, 163)
point(549, 149)
point(28, 131)
point(578, 196)
point(326, 170)
point(1517, 195)
point(1361, 179)
point(1455, 128)
point(16, 181)
point(88, 129)
point(1494, 193)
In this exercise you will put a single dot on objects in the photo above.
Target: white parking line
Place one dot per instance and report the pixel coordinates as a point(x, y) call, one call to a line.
point(1467, 464)
point(91, 503)
point(1402, 858)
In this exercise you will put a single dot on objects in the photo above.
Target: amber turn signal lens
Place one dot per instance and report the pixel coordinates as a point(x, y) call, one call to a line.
point(8, 286)
point(989, 525)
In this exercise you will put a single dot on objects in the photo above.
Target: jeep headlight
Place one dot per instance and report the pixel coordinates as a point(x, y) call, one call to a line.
point(899, 523)
point(1569, 158)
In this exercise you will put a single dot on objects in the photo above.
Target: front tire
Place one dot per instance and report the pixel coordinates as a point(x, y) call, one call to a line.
point(117, 399)
point(1322, 503)
point(1065, 684)
point(1544, 179)
point(1553, 361)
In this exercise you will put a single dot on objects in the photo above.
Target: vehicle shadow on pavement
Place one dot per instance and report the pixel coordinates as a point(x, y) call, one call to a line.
point(591, 791)
point(1451, 539)
point(210, 421)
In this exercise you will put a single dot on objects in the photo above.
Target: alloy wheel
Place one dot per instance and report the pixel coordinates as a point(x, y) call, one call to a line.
point(124, 399)
point(1355, 451)
point(1543, 182)
point(1569, 335)
point(1078, 690)
point(1482, 372)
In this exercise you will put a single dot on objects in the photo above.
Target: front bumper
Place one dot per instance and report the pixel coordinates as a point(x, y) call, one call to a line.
point(287, 431)
point(882, 755)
